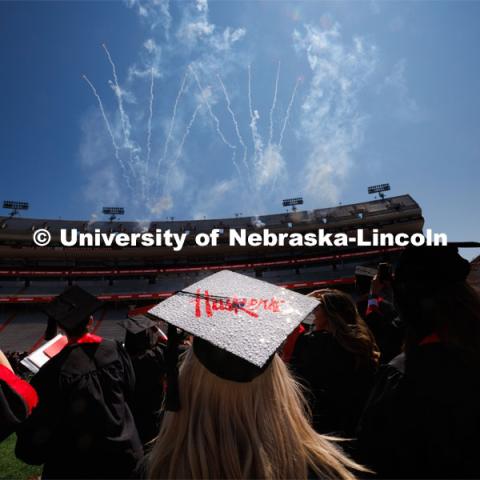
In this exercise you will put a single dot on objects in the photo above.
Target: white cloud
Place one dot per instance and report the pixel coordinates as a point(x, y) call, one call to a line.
point(231, 36)
point(208, 200)
point(153, 12)
point(149, 62)
point(202, 5)
point(406, 108)
point(270, 166)
point(226, 40)
point(195, 25)
point(196, 28)
point(193, 31)
point(150, 45)
point(150, 161)
point(161, 205)
point(331, 122)
point(157, 152)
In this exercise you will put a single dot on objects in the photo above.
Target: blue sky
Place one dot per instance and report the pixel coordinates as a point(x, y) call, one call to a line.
point(367, 92)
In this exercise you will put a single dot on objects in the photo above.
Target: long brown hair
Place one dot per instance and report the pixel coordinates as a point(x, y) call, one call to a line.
point(347, 326)
point(257, 429)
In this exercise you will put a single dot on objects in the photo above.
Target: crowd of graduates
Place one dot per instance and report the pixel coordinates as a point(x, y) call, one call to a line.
point(382, 384)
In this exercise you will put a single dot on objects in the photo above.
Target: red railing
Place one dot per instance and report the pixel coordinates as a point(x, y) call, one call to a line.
point(161, 295)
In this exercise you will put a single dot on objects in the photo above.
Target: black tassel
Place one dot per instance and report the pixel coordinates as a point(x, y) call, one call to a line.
point(173, 395)
point(51, 330)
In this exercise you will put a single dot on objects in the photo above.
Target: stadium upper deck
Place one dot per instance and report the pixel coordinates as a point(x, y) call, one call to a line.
point(393, 214)
point(129, 277)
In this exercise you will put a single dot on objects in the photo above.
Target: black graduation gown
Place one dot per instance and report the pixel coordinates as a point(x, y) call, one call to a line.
point(147, 400)
point(83, 426)
point(338, 389)
point(423, 421)
point(386, 327)
point(14, 407)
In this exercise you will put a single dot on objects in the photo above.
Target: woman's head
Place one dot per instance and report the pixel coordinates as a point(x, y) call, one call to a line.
point(338, 314)
point(230, 429)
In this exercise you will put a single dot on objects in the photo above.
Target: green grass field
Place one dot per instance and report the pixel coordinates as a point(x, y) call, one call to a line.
point(10, 467)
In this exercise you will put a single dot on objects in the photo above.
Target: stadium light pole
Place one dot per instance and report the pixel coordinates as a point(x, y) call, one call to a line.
point(380, 189)
point(292, 202)
point(15, 207)
point(113, 212)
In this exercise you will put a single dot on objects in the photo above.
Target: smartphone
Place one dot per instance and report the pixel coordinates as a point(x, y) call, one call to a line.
point(385, 272)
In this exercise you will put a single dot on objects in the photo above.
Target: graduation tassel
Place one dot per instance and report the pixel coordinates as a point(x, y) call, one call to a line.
point(172, 403)
point(51, 330)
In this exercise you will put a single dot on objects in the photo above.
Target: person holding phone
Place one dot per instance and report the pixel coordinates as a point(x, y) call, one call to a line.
point(17, 399)
point(379, 313)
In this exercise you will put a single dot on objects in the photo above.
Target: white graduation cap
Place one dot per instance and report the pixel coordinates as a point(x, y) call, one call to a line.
point(244, 316)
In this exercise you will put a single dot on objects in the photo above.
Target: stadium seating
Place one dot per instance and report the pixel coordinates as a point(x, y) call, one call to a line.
point(108, 323)
point(24, 330)
point(126, 278)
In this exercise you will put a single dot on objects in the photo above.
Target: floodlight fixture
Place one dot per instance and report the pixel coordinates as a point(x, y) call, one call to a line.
point(113, 212)
point(380, 189)
point(292, 202)
point(15, 207)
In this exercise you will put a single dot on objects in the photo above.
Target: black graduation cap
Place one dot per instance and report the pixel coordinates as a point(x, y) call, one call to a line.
point(140, 333)
point(423, 273)
point(428, 267)
point(464, 244)
point(238, 323)
point(134, 326)
point(72, 308)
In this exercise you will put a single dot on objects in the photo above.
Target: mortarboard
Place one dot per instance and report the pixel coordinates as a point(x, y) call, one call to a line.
point(429, 268)
point(72, 308)
point(421, 274)
point(238, 322)
point(140, 333)
point(135, 326)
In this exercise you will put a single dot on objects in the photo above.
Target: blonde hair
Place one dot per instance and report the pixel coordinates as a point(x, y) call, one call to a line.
point(257, 429)
point(347, 326)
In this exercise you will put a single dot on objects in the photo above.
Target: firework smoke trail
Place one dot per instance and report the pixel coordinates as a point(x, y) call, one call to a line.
point(126, 125)
point(118, 94)
point(250, 108)
point(274, 104)
point(172, 122)
point(104, 115)
point(285, 121)
point(287, 113)
point(210, 111)
point(235, 123)
point(257, 141)
point(216, 121)
point(250, 91)
point(182, 143)
point(149, 125)
point(109, 129)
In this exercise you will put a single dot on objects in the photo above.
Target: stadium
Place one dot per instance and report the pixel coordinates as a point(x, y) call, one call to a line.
point(195, 279)
point(128, 278)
